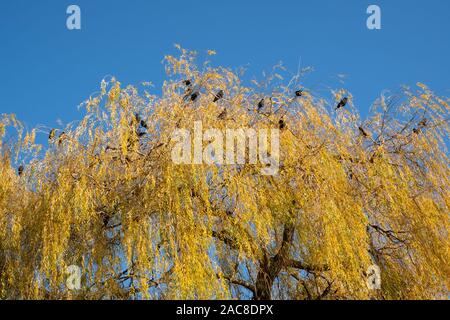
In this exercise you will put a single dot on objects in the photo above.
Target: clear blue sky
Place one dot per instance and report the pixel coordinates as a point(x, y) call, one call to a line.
point(47, 70)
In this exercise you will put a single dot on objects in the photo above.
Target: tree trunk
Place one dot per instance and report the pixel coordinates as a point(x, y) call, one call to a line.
point(269, 268)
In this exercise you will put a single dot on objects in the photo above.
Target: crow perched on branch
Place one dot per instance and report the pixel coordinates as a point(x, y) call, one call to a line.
point(141, 122)
point(20, 170)
point(61, 137)
point(141, 125)
point(188, 91)
point(423, 123)
point(342, 103)
point(52, 134)
point(194, 96)
point(218, 96)
point(281, 124)
point(298, 93)
point(363, 132)
point(261, 104)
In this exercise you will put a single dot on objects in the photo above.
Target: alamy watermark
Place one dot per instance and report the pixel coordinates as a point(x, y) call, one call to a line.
point(228, 147)
point(73, 21)
point(374, 277)
point(73, 281)
point(374, 20)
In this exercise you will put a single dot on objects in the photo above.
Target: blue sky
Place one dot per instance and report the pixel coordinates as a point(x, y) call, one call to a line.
point(47, 70)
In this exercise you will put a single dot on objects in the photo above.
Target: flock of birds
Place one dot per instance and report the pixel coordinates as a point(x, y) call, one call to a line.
point(191, 95)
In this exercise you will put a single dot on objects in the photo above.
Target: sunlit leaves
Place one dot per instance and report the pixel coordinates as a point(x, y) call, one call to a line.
point(110, 199)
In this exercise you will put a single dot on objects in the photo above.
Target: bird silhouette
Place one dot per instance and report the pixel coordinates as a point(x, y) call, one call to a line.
point(281, 124)
point(61, 137)
point(363, 132)
point(187, 82)
point(342, 103)
point(194, 96)
point(261, 104)
point(52, 134)
point(218, 96)
point(20, 170)
point(141, 122)
point(298, 93)
point(423, 123)
point(264, 103)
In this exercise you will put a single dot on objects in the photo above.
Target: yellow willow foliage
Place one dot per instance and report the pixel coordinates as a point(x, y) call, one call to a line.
point(107, 197)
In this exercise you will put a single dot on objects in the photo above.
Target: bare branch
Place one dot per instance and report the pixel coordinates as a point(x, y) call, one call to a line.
point(307, 267)
point(242, 283)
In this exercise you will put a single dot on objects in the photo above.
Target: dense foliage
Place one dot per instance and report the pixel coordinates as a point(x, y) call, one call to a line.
point(105, 195)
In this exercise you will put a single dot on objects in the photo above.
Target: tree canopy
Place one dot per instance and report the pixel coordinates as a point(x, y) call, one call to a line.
point(105, 195)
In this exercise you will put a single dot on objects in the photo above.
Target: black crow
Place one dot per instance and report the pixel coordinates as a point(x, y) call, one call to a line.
point(52, 134)
point(298, 93)
point(218, 96)
point(141, 122)
point(342, 103)
point(194, 96)
point(141, 133)
point(423, 123)
point(363, 132)
point(61, 137)
point(261, 104)
point(281, 124)
point(20, 170)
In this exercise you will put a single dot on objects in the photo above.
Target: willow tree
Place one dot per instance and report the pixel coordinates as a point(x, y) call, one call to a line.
point(106, 195)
